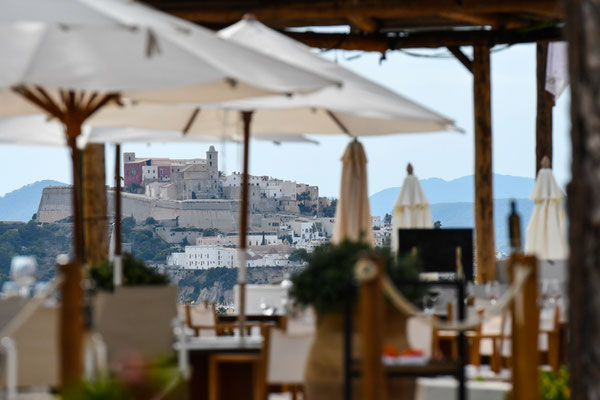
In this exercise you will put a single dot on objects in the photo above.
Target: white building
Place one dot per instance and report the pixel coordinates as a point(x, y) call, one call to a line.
point(149, 172)
point(376, 221)
point(204, 257)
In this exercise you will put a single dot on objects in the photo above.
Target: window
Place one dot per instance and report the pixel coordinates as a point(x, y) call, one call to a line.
point(133, 172)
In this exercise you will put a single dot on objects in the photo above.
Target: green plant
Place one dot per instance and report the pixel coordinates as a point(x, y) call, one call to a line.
point(328, 280)
point(555, 386)
point(135, 272)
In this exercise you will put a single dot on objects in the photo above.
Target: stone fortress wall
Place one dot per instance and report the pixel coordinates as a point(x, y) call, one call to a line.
point(55, 205)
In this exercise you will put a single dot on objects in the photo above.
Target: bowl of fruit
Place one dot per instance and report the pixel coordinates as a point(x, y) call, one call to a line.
point(410, 356)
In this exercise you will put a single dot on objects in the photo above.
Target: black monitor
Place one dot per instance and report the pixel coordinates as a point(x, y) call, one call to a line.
point(437, 248)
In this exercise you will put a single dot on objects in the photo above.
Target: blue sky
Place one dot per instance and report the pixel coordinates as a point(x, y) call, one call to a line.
point(442, 84)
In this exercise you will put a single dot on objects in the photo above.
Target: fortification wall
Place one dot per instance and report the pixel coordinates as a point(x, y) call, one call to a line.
point(221, 214)
point(55, 204)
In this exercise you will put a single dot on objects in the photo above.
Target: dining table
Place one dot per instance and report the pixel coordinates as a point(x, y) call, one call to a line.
point(200, 350)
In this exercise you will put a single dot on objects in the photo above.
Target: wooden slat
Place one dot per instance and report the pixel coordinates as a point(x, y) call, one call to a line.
point(484, 200)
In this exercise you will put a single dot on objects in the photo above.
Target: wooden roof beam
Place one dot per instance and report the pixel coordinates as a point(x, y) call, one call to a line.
point(381, 43)
point(462, 57)
point(406, 9)
point(365, 24)
point(493, 20)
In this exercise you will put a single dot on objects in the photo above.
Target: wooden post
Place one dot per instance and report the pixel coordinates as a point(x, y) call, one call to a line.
point(372, 320)
point(71, 325)
point(545, 103)
point(582, 25)
point(484, 197)
point(118, 261)
point(247, 119)
point(94, 204)
point(525, 328)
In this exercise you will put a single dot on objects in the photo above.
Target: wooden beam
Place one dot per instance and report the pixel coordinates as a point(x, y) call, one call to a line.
point(372, 319)
point(484, 199)
point(545, 104)
point(382, 43)
point(327, 10)
point(460, 56)
point(584, 200)
point(525, 326)
point(493, 20)
point(95, 220)
point(365, 24)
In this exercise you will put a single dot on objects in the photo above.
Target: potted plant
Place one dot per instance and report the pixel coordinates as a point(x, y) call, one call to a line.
point(136, 317)
point(326, 284)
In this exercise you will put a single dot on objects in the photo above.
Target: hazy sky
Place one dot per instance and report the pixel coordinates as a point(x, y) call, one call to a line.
point(442, 84)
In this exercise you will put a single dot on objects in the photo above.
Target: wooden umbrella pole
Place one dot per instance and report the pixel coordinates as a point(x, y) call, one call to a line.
point(71, 313)
point(118, 262)
point(247, 119)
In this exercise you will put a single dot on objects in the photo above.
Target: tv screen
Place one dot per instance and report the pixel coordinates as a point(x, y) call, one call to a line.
point(437, 248)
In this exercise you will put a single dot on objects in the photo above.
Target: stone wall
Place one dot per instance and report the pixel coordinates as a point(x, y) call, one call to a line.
point(55, 205)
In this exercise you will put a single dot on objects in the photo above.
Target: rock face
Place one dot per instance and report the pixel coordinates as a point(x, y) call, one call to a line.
point(55, 205)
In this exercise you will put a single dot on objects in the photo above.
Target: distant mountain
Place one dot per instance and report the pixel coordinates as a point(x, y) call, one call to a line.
point(458, 190)
point(460, 215)
point(21, 204)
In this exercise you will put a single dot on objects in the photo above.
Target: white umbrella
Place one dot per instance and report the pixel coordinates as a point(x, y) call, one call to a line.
point(411, 209)
point(353, 215)
point(71, 58)
point(359, 107)
point(546, 235)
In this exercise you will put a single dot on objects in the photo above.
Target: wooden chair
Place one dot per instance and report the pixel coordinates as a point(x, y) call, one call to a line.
point(451, 337)
point(548, 341)
point(258, 362)
point(285, 356)
point(204, 318)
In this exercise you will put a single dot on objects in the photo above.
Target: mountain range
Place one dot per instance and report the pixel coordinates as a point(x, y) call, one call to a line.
point(22, 203)
point(451, 202)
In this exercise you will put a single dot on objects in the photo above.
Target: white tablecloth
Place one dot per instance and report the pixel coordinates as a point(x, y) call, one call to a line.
point(446, 389)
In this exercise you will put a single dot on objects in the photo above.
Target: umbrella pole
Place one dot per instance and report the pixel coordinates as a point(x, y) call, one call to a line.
point(247, 119)
point(118, 261)
point(71, 322)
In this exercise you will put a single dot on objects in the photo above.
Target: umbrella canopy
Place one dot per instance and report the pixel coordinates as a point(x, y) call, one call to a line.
point(36, 130)
point(123, 46)
point(546, 234)
point(411, 209)
point(353, 215)
point(359, 107)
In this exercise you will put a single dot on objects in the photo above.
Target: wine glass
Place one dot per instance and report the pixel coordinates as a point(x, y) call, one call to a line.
point(429, 302)
point(492, 290)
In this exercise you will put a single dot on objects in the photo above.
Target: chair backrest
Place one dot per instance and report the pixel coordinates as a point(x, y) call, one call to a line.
point(286, 357)
point(201, 318)
point(36, 342)
point(137, 319)
point(419, 334)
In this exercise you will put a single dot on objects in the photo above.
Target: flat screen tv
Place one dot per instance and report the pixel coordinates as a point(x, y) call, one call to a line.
point(437, 248)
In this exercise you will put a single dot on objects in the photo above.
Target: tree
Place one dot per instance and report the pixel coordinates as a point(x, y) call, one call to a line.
point(211, 232)
point(387, 219)
point(298, 255)
point(329, 211)
point(437, 225)
point(151, 221)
